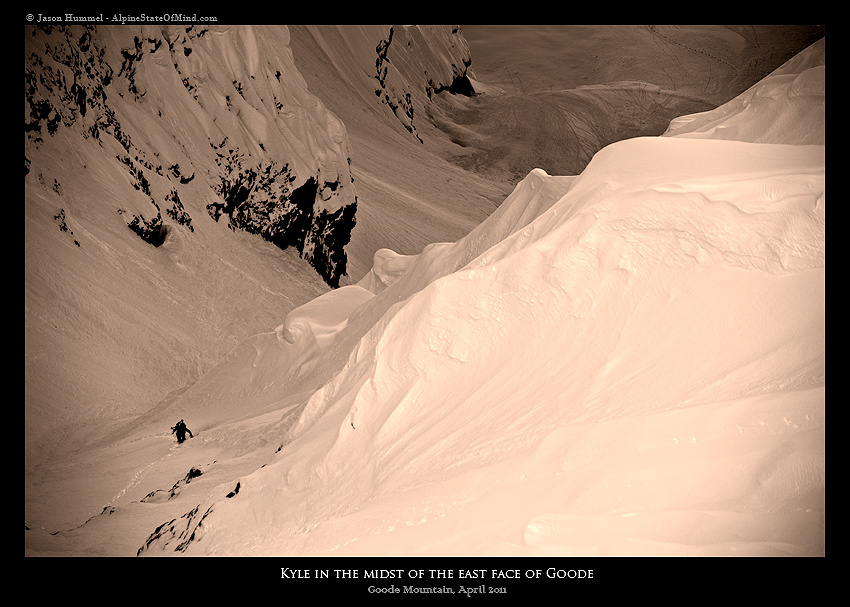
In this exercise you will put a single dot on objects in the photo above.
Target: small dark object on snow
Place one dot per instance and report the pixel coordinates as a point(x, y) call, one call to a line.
point(180, 430)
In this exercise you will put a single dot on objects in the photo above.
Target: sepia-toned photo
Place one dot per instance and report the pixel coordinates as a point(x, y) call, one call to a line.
point(463, 291)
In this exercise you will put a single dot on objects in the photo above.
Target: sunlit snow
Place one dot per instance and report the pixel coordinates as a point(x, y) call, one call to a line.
point(630, 361)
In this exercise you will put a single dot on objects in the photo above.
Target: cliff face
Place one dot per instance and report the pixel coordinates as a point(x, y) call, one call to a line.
point(399, 66)
point(383, 81)
point(414, 62)
point(224, 108)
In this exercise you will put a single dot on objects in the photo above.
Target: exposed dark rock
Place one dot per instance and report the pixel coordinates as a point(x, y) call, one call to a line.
point(461, 85)
point(175, 172)
point(60, 217)
point(381, 61)
point(162, 495)
point(151, 231)
point(131, 57)
point(334, 233)
point(260, 200)
point(183, 531)
point(177, 212)
point(402, 106)
point(66, 78)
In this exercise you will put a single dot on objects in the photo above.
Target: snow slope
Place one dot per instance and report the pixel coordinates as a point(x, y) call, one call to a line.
point(202, 136)
point(626, 362)
point(161, 125)
point(409, 195)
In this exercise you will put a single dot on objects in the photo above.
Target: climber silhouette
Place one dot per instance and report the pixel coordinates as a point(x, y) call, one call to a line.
point(180, 430)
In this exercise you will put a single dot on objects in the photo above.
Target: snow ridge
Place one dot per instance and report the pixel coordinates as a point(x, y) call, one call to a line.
point(629, 361)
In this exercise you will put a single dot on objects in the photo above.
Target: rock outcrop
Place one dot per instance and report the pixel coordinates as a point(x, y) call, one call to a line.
point(224, 104)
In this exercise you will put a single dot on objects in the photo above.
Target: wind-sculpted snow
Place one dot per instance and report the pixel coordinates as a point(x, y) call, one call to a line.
point(786, 107)
point(630, 361)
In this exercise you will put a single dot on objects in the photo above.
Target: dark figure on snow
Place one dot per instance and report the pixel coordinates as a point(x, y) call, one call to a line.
point(180, 430)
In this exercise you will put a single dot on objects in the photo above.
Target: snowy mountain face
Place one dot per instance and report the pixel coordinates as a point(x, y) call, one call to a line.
point(176, 163)
point(209, 104)
point(159, 162)
point(625, 361)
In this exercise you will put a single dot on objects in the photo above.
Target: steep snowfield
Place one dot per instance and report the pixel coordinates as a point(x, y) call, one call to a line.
point(410, 196)
point(176, 124)
point(628, 361)
point(112, 323)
